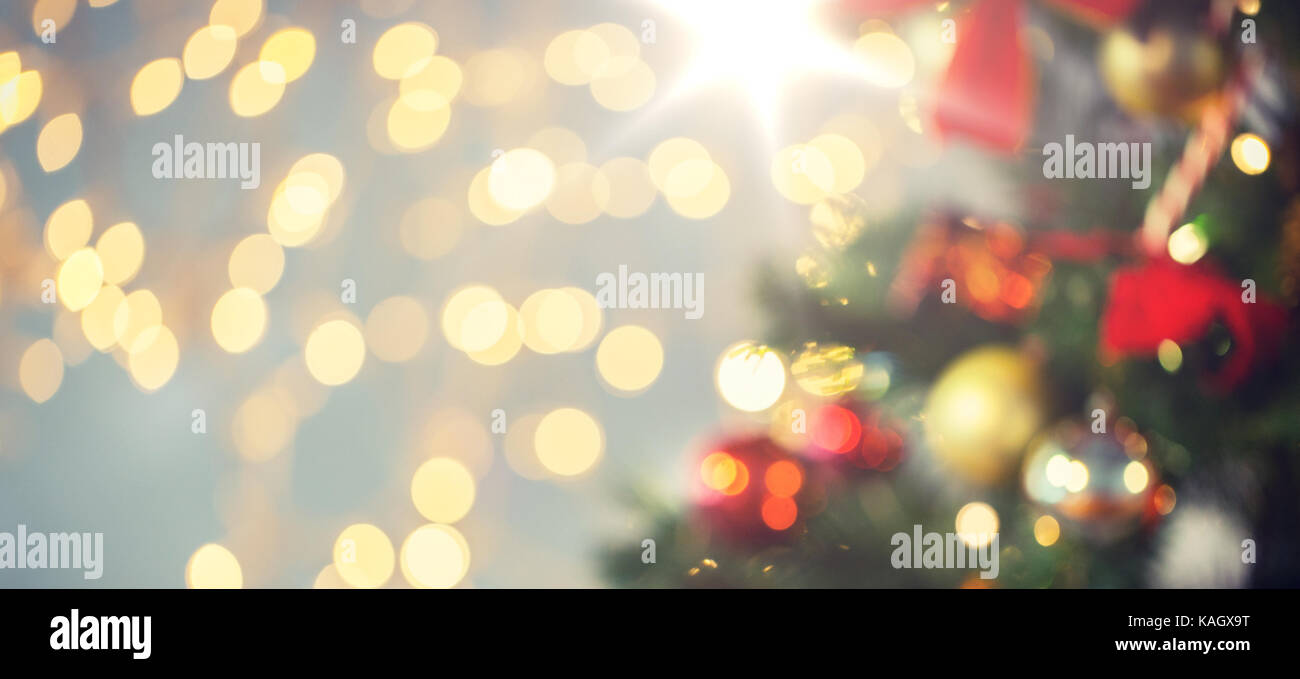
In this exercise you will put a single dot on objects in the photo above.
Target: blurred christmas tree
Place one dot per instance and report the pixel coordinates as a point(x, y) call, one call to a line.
point(1100, 374)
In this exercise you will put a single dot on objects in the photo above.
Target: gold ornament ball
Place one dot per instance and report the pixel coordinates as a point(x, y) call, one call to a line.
point(981, 412)
point(1172, 71)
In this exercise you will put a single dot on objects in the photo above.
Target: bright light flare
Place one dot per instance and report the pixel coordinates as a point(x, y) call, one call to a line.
point(759, 46)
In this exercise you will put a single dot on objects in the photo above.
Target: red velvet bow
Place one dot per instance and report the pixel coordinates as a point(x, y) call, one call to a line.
point(987, 94)
point(1162, 299)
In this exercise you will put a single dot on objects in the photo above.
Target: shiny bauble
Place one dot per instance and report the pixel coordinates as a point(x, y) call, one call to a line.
point(1090, 472)
point(981, 412)
point(1169, 71)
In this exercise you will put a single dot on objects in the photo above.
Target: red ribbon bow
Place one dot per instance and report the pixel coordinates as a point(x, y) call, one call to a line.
point(1164, 300)
point(987, 94)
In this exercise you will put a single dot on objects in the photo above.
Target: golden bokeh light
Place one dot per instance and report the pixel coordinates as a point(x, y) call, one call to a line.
point(335, 352)
point(723, 473)
point(121, 251)
point(1136, 477)
point(708, 202)
point(59, 142)
point(297, 209)
point(292, 50)
point(240, 15)
point(1047, 530)
point(324, 166)
point(11, 64)
point(238, 320)
point(20, 93)
point(573, 57)
point(689, 177)
point(976, 523)
point(301, 202)
point(1077, 476)
point(209, 51)
point(435, 557)
point(256, 263)
point(80, 277)
point(306, 194)
point(1058, 470)
point(404, 50)
point(593, 318)
point(1250, 153)
point(490, 322)
point(847, 163)
point(670, 153)
point(433, 86)
point(257, 88)
point(363, 555)
point(623, 84)
point(137, 320)
point(97, 318)
point(750, 377)
point(59, 12)
point(213, 567)
point(552, 321)
point(68, 229)
point(568, 441)
point(442, 490)
point(415, 127)
point(483, 206)
point(620, 42)
point(629, 358)
point(803, 174)
point(396, 329)
point(156, 86)
point(328, 578)
point(40, 370)
point(887, 59)
point(1169, 355)
point(153, 364)
point(695, 186)
point(560, 320)
point(483, 325)
point(521, 179)
point(1188, 243)
point(289, 229)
